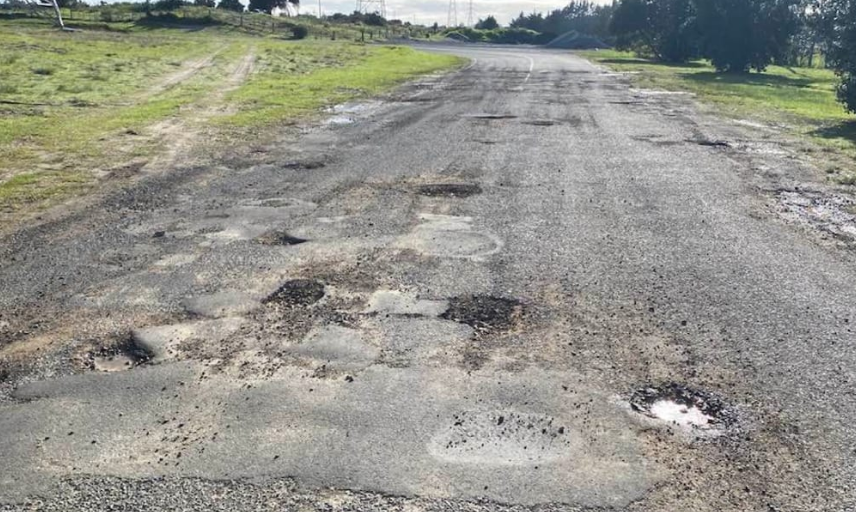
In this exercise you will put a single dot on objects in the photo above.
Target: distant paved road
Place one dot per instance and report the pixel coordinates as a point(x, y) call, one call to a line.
point(499, 261)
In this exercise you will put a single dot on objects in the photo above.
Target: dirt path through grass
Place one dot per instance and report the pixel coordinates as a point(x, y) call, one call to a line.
point(189, 70)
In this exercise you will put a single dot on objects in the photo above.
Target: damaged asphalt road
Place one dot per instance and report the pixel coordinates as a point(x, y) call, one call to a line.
point(521, 285)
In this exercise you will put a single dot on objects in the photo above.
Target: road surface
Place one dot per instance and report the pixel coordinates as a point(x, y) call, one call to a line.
point(524, 284)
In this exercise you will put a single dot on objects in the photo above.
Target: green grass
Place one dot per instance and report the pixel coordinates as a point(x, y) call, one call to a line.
point(803, 99)
point(297, 85)
point(71, 102)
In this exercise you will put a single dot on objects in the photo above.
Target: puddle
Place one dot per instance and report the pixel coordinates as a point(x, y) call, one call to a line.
point(449, 190)
point(827, 212)
point(340, 120)
point(683, 407)
point(352, 108)
point(484, 313)
point(298, 292)
point(501, 438)
point(121, 356)
point(280, 238)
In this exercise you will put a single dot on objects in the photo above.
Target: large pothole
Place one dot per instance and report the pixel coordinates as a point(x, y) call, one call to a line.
point(484, 313)
point(297, 292)
point(123, 355)
point(501, 437)
point(449, 189)
point(683, 407)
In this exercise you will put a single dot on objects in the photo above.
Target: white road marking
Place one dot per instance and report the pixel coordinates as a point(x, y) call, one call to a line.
point(531, 68)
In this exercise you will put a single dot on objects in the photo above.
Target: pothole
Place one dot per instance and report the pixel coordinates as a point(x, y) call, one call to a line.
point(720, 144)
point(540, 122)
point(297, 292)
point(280, 238)
point(449, 190)
point(484, 313)
point(501, 437)
point(124, 355)
point(307, 165)
point(683, 407)
point(491, 117)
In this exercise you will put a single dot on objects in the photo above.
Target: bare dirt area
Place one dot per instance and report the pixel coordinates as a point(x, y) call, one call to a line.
point(616, 304)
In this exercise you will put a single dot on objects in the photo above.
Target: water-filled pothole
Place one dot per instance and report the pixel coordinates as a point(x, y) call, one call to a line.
point(540, 122)
point(280, 238)
point(501, 437)
point(297, 292)
point(123, 355)
point(449, 190)
point(682, 407)
point(491, 117)
point(484, 313)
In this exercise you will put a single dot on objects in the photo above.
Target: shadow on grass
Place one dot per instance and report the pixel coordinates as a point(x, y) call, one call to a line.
point(761, 79)
point(844, 130)
point(649, 62)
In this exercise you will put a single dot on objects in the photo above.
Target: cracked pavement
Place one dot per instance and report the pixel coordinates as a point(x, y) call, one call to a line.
point(444, 299)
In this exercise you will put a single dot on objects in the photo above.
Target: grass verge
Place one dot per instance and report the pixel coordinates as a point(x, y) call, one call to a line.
point(76, 104)
point(801, 99)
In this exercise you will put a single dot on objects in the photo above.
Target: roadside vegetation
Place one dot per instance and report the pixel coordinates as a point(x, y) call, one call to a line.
point(76, 107)
point(799, 98)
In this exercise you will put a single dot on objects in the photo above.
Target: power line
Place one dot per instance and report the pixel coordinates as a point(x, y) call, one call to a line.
point(372, 6)
point(453, 14)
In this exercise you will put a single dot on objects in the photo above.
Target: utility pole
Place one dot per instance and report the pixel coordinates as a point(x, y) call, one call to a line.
point(372, 6)
point(453, 14)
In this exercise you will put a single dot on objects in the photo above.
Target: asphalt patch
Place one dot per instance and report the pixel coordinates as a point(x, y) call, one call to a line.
point(484, 313)
point(684, 406)
point(308, 165)
point(123, 355)
point(280, 238)
point(500, 438)
point(297, 292)
point(449, 190)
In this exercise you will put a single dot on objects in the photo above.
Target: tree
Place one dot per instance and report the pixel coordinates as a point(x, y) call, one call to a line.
point(231, 5)
point(488, 23)
point(204, 3)
point(840, 18)
point(665, 29)
point(266, 5)
point(739, 35)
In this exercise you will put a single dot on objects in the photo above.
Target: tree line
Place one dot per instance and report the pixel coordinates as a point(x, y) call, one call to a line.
point(735, 35)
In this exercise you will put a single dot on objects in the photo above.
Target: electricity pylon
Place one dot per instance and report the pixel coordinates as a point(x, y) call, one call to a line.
point(453, 14)
point(372, 6)
point(471, 20)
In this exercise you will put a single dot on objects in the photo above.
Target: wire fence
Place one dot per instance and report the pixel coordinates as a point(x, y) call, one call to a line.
point(296, 28)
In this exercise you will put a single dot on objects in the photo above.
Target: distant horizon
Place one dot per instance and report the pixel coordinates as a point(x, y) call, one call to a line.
point(428, 12)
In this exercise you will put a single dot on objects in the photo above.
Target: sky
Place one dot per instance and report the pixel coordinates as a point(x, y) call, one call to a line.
point(428, 11)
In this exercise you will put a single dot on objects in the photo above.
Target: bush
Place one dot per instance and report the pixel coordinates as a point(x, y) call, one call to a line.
point(299, 32)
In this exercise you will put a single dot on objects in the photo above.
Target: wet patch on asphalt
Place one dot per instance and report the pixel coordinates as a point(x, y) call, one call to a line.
point(490, 117)
point(297, 293)
point(683, 407)
point(304, 165)
point(449, 189)
point(280, 238)
point(485, 313)
point(501, 438)
point(123, 355)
